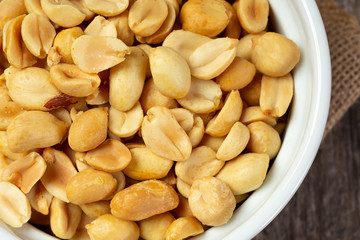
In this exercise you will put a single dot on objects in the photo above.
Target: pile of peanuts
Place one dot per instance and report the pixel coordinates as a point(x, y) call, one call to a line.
point(128, 119)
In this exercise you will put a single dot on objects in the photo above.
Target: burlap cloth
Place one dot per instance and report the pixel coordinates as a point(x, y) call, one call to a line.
point(343, 32)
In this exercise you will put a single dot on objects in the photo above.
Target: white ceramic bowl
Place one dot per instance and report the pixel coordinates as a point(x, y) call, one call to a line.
point(300, 21)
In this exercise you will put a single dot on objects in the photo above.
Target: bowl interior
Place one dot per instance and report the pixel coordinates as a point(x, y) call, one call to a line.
point(300, 21)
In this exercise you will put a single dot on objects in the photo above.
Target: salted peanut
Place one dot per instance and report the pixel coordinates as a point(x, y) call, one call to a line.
point(234, 143)
point(164, 136)
point(25, 91)
point(184, 227)
point(254, 113)
point(211, 58)
point(211, 201)
point(121, 180)
point(184, 117)
point(127, 80)
point(154, 228)
point(94, 54)
point(208, 19)
point(197, 131)
point(203, 97)
point(81, 6)
point(71, 80)
point(34, 129)
point(8, 111)
point(125, 124)
point(147, 16)
point(107, 8)
point(251, 93)
point(58, 173)
point(62, 114)
point(34, 6)
point(123, 30)
point(183, 187)
point(108, 227)
point(143, 200)
point(38, 34)
point(202, 163)
point(96, 209)
point(233, 29)
point(213, 142)
point(276, 94)
point(81, 232)
point(151, 97)
point(14, 47)
point(242, 197)
point(280, 127)
point(253, 15)
point(100, 96)
point(88, 130)
point(145, 164)
point(39, 198)
point(237, 75)
point(62, 45)
point(110, 156)
point(10, 9)
point(221, 124)
point(15, 207)
point(170, 178)
point(274, 55)
point(90, 186)
point(245, 173)
point(64, 218)
point(263, 139)
point(62, 12)
point(5, 150)
point(171, 73)
point(99, 26)
point(183, 209)
point(185, 42)
point(166, 27)
point(24, 173)
point(245, 45)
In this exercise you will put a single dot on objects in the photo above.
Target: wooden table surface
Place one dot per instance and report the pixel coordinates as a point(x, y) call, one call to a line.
point(327, 204)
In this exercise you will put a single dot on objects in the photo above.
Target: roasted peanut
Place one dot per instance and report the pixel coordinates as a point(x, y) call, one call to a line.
point(253, 114)
point(213, 142)
point(276, 94)
point(263, 139)
point(81, 232)
point(10, 9)
point(34, 129)
point(88, 130)
point(202, 163)
point(107, 8)
point(14, 47)
point(241, 197)
point(206, 18)
point(38, 34)
point(183, 209)
point(96, 209)
point(253, 15)
point(151, 97)
point(154, 228)
point(125, 124)
point(245, 46)
point(233, 29)
point(196, 133)
point(90, 186)
point(123, 30)
point(39, 198)
point(145, 164)
point(251, 93)
point(234, 143)
point(99, 26)
point(203, 97)
point(5, 150)
point(230, 113)
point(39, 219)
point(183, 187)
point(15, 207)
point(171, 73)
point(164, 136)
point(245, 173)
point(275, 55)
point(147, 16)
point(211, 58)
point(110, 156)
point(69, 79)
point(24, 173)
point(81, 5)
point(59, 171)
point(184, 117)
point(34, 6)
point(8, 111)
point(183, 228)
point(94, 54)
point(64, 218)
point(108, 227)
point(237, 75)
point(211, 201)
point(62, 12)
point(143, 200)
point(127, 80)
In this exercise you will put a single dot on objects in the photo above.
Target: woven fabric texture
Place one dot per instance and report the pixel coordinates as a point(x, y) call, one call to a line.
point(343, 32)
